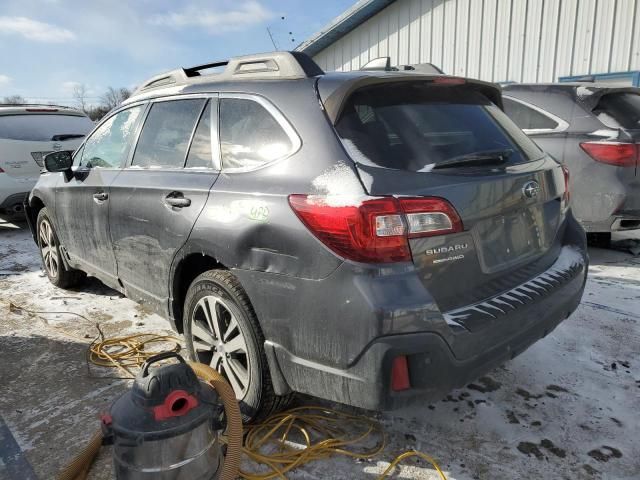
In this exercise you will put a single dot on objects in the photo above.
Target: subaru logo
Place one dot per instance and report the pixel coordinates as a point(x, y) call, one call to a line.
point(57, 146)
point(531, 189)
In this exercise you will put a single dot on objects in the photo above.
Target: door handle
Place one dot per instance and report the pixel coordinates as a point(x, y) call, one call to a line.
point(101, 196)
point(177, 200)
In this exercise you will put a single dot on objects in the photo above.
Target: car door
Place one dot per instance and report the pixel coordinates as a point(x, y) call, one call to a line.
point(156, 199)
point(83, 200)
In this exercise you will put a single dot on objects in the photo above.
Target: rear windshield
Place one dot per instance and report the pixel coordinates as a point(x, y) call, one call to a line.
point(617, 110)
point(416, 126)
point(42, 128)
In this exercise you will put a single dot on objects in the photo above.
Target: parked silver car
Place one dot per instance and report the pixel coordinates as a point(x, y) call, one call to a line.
point(595, 131)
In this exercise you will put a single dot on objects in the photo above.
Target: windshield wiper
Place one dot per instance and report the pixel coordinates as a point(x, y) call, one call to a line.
point(66, 136)
point(488, 157)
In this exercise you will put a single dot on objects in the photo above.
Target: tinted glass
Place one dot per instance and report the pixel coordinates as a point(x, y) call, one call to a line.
point(43, 128)
point(109, 145)
point(527, 118)
point(416, 126)
point(200, 150)
point(619, 110)
point(166, 134)
point(249, 135)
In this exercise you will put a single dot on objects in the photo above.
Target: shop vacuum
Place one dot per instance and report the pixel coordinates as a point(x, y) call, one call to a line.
point(168, 425)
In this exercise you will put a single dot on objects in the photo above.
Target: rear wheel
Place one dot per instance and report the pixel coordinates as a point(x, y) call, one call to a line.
point(599, 239)
point(222, 331)
point(49, 246)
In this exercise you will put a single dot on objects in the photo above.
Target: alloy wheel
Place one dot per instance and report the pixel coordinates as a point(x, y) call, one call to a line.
point(48, 248)
point(219, 342)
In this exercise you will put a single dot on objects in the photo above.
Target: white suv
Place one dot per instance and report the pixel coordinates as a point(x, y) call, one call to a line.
point(27, 133)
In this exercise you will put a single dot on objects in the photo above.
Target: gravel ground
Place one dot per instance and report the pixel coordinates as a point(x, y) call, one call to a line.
point(566, 408)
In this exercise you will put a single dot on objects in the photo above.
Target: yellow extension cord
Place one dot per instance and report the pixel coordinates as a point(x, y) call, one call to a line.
point(270, 445)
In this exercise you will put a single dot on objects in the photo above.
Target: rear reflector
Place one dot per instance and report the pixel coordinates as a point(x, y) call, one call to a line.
point(400, 374)
point(612, 153)
point(375, 230)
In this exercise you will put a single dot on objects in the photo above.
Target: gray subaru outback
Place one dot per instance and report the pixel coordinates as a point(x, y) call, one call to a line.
point(372, 238)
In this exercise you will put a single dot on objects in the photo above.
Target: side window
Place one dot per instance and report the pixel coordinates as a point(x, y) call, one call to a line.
point(527, 118)
point(166, 133)
point(200, 151)
point(249, 135)
point(109, 145)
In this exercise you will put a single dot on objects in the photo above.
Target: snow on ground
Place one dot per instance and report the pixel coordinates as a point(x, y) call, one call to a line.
point(566, 408)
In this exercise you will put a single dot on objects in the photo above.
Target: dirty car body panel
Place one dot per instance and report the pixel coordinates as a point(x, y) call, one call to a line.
point(333, 326)
point(606, 195)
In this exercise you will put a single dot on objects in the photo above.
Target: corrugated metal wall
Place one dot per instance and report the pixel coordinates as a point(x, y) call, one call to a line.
point(498, 40)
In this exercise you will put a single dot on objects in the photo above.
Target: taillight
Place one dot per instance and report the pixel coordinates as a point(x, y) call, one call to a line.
point(430, 216)
point(1, 170)
point(449, 81)
point(375, 230)
point(612, 153)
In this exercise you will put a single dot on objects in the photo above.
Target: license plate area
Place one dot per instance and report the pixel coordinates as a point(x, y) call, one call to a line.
point(507, 240)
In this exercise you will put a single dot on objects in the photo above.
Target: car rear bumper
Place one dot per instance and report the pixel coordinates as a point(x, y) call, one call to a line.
point(434, 369)
point(626, 220)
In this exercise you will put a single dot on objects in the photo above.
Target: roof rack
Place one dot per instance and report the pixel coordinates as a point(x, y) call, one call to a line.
point(28, 105)
point(384, 64)
point(262, 66)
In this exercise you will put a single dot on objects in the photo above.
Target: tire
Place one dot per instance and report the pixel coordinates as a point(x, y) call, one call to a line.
point(237, 351)
point(599, 239)
point(51, 256)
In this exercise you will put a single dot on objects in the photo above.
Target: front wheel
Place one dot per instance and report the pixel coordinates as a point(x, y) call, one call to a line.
point(222, 331)
point(49, 247)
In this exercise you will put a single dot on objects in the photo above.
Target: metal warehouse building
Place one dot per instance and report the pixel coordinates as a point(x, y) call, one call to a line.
point(495, 40)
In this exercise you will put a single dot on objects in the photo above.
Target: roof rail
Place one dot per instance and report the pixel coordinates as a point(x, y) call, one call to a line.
point(262, 66)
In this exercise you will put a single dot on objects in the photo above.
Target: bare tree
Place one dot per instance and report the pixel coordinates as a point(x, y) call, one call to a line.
point(114, 97)
point(14, 100)
point(80, 96)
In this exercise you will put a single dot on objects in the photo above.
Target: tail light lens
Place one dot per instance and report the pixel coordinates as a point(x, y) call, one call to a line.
point(430, 216)
point(612, 153)
point(375, 230)
point(1, 170)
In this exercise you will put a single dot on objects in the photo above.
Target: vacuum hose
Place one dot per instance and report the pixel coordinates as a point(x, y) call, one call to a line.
point(231, 465)
point(78, 468)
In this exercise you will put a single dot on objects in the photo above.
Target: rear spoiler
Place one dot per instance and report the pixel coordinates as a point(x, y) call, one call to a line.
point(589, 94)
point(335, 101)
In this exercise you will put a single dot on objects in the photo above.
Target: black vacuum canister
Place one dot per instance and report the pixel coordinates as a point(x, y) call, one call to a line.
point(166, 426)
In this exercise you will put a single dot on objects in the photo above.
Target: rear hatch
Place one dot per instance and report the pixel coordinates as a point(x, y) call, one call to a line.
point(446, 139)
point(27, 134)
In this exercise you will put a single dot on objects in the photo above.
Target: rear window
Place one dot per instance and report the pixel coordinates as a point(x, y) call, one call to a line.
point(416, 126)
point(44, 128)
point(617, 110)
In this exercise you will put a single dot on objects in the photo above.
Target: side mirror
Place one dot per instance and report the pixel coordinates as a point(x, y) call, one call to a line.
point(58, 161)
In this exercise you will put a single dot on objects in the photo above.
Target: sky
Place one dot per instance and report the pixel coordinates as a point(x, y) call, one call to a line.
point(47, 47)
